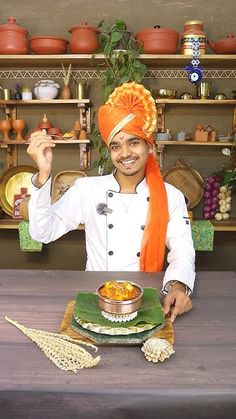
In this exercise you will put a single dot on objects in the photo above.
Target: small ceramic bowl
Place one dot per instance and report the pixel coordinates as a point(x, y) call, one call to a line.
point(120, 307)
point(46, 45)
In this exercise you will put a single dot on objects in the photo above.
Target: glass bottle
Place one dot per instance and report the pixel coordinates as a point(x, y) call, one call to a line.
point(26, 93)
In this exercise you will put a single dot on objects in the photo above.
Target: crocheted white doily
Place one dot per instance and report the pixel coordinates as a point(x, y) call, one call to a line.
point(119, 318)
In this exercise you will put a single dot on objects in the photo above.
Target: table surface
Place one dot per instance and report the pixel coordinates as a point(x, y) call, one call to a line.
point(198, 381)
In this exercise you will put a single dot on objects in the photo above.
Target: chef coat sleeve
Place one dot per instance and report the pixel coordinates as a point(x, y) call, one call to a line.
point(181, 256)
point(48, 222)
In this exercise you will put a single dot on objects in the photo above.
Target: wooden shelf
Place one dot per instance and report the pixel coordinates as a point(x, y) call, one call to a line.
point(195, 143)
point(92, 61)
point(5, 145)
point(229, 225)
point(45, 102)
point(229, 102)
point(7, 223)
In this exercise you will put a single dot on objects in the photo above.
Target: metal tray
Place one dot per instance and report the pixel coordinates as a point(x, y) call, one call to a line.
point(11, 182)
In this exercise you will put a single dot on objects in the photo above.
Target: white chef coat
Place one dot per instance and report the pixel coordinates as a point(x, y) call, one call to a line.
point(113, 239)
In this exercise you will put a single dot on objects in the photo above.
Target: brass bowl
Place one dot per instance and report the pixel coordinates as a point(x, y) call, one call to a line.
point(120, 307)
point(164, 94)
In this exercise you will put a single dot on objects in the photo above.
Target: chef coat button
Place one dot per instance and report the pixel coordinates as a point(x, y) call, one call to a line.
point(142, 227)
point(110, 253)
point(110, 194)
point(138, 254)
point(148, 198)
point(110, 226)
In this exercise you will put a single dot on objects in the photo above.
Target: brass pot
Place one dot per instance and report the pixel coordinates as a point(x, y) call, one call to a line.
point(220, 96)
point(203, 90)
point(186, 96)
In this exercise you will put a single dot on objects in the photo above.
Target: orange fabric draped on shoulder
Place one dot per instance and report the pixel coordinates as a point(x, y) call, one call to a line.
point(132, 109)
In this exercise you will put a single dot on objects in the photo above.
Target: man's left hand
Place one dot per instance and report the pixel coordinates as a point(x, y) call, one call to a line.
point(176, 302)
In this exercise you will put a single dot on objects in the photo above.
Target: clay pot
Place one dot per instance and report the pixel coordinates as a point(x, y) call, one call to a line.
point(66, 92)
point(55, 131)
point(84, 39)
point(48, 45)
point(224, 46)
point(45, 123)
point(158, 40)
point(193, 29)
point(13, 38)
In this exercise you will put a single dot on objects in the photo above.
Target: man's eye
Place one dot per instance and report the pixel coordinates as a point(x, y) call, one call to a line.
point(134, 143)
point(114, 147)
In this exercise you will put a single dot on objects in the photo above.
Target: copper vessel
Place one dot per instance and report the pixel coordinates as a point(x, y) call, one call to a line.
point(120, 307)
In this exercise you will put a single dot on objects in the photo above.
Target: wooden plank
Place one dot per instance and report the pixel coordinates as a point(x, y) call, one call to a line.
point(91, 61)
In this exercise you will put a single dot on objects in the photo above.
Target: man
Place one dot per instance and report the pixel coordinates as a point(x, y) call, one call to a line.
point(130, 215)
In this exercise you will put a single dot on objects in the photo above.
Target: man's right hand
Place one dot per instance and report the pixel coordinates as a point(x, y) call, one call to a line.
point(40, 150)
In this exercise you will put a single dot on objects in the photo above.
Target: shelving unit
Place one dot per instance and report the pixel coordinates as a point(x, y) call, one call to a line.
point(90, 66)
point(84, 106)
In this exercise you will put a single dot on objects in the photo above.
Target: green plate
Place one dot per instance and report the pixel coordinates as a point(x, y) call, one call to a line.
point(134, 339)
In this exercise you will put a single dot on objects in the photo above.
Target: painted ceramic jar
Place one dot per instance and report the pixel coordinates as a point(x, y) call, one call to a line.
point(193, 29)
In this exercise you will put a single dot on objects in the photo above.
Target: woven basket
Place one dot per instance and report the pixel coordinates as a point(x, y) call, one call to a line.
point(63, 181)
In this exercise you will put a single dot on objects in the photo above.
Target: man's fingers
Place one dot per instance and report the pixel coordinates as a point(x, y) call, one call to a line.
point(168, 301)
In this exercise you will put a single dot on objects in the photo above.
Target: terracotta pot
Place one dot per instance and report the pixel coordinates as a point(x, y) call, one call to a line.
point(158, 40)
point(45, 123)
point(66, 92)
point(224, 46)
point(84, 39)
point(13, 38)
point(55, 131)
point(48, 45)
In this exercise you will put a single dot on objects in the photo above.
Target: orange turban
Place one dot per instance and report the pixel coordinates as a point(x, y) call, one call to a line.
point(131, 108)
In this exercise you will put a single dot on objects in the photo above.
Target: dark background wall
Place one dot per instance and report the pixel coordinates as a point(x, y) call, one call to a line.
point(50, 18)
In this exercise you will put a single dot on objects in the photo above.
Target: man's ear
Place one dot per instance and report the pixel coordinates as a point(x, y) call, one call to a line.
point(150, 150)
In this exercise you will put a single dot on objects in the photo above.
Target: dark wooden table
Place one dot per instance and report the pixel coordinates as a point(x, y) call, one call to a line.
point(198, 381)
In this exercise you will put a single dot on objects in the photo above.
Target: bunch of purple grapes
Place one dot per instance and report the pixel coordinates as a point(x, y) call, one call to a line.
point(211, 191)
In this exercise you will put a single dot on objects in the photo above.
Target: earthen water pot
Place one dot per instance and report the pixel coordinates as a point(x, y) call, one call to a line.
point(158, 40)
point(84, 39)
point(13, 38)
point(224, 46)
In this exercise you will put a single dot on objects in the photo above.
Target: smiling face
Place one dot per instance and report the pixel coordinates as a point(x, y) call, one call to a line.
point(129, 154)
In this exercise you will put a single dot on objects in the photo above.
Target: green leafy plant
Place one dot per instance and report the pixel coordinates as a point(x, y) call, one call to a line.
point(122, 65)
